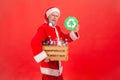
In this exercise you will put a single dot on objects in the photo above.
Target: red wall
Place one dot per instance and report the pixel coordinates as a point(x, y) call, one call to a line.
point(95, 56)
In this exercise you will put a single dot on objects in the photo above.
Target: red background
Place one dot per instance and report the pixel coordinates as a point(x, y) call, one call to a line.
point(95, 56)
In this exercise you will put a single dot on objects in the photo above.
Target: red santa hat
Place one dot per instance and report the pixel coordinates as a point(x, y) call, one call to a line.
point(51, 10)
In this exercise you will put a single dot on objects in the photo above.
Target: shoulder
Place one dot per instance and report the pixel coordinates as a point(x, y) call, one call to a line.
point(42, 27)
point(58, 27)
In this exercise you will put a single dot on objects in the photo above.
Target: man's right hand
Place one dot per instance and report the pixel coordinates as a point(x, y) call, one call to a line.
point(47, 59)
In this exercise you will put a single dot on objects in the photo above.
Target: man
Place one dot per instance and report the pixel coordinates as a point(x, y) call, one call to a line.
point(51, 70)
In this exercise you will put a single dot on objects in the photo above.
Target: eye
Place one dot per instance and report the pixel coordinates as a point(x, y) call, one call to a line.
point(54, 15)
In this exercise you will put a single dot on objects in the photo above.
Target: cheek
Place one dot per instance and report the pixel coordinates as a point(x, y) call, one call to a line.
point(52, 18)
point(57, 18)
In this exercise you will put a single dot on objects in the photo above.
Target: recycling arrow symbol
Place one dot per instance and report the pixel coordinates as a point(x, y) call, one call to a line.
point(71, 23)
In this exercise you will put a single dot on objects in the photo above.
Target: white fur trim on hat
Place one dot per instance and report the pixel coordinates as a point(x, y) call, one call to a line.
point(52, 10)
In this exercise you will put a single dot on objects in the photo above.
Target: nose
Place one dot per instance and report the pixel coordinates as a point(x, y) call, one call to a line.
point(55, 17)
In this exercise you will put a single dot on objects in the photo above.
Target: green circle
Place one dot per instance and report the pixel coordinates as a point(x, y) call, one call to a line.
point(71, 23)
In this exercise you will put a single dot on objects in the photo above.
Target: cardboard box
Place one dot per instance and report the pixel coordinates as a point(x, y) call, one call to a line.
point(59, 53)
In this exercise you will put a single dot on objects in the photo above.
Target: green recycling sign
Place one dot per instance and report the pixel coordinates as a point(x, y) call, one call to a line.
point(71, 23)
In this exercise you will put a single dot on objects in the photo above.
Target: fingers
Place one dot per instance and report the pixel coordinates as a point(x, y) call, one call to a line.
point(47, 59)
point(78, 25)
point(77, 28)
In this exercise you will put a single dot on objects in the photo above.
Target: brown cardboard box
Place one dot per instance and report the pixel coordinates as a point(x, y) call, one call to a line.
point(59, 53)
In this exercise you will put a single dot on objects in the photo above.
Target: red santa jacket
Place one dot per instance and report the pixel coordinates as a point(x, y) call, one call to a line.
point(53, 68)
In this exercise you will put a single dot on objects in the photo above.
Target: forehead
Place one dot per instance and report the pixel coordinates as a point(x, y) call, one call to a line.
point(55, 13)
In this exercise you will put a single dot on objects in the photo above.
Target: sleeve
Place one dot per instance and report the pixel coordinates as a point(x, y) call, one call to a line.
point(70, 37)
point(36, 45)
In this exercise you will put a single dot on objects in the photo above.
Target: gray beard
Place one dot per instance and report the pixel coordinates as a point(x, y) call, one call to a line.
point(52, 22)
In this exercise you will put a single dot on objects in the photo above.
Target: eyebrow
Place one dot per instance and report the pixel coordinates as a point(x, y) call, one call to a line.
point(55, 15)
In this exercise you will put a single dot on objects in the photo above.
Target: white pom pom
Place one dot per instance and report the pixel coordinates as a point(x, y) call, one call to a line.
point(50, 24)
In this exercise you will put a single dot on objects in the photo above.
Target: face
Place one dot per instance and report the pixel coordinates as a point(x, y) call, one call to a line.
point(53, 18)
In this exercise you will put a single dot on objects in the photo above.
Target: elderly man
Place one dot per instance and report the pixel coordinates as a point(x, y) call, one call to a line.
point(51, 70)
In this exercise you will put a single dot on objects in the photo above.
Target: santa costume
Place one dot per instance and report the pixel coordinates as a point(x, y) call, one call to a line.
point(51, 70)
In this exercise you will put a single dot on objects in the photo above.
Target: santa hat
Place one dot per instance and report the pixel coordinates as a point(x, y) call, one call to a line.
point(51, 10)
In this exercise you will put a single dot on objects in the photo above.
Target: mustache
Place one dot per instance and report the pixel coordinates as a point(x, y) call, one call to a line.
point(53, 22)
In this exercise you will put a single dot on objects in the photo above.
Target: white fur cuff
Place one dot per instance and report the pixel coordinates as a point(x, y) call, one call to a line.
point(74, 36)
point(39, 57)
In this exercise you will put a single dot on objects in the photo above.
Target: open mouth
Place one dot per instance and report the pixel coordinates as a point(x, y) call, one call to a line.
point(54, 20)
